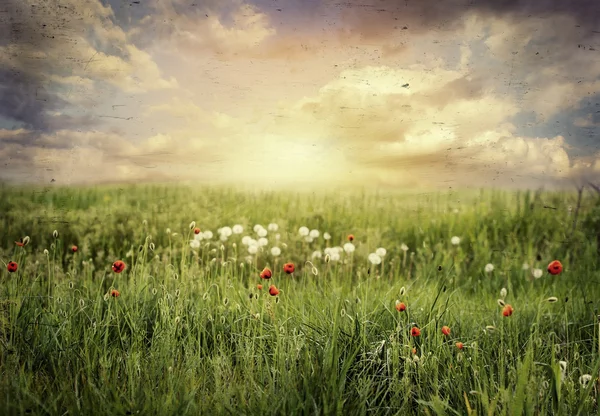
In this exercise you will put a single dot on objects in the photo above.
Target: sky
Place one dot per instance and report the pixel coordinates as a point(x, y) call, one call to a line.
point(388, 94)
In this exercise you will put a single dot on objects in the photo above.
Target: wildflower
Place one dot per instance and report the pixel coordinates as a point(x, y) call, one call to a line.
point(275, 251)
point(327, 258)
point(303, 231)
point(555, 268)
point(46, 252)
point(415, 332)
point(259, 287)
point(237, 229)
point(459, 345)
point(289, 268)
point(404, 247)
point(55, 234)
point(207, 235)
point(374, 259)
point(335, 256)
point(537, 273)
point(351, 237)
point(316, 254)
point(257, 227)
point(246, 240)
point(12, 267)
point(314, 233)
point(273, 291)
point(585, 379)
point(262, 233)
point(115, 293)
point(501, 303)
point(262, 242)
point(23, 241)
point(74, 249)
point(277, 237)
point(402, 291)
point(414, 350)
point(400, 306)
point(446, 330)
point(193, 226)
point(195, 244)
point(381, 252)
point(489, 268)
point(525, 266)
point(266, 273)
point(349, 248)
point(507, 310)
point(503, 292)
point(326, 236)
point(253, 249)
point(308, 239)
point(455, 240)
point(226, 231)
point(552, 299)
point(273, 227)
point(118, 266)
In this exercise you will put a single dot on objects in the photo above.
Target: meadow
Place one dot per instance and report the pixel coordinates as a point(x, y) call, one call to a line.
point(442, 303)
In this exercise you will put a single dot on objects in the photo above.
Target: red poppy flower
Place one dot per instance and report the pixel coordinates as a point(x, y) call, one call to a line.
point(273, 291)
point(259, 287)
point(459, 345)
point(289, 268)
point(400, 307)
point(266, 273)
point(555, 267)
point(20, 243)
point(118, 266)
point(196, 230)
point(415, 332)
point(446, 330)
point(507, 310)
point(12, 267)
point(351, 237)
point(74, 249)
point(115, 293)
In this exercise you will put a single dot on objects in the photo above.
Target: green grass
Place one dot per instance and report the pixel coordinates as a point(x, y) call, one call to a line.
point(192, 334)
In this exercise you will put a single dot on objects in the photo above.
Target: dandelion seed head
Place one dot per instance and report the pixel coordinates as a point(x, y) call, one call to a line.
point(262, 233)
point(303, 231)
point(326, 236)
point(314, 233)
point(489, 268)
point(349, 248)
point(381, 252)
point(503, 292)
point(537, 273)
point(275, 251)
point(374, 259)
point(404, 247)
point(273, 227)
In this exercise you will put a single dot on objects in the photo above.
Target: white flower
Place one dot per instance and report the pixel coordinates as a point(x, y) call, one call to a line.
point(252, 249)
point(328, 250)
point(503, 292)
point(195, 244)
point(489, 268)
point(198, 237)
point(273, 227)
point(314, 233)
point(316, 254)
point(308, 239)
point(303, 231)
point(381, 252)
point(263, 242)
point(349, 248)
point(537, 273)
point(257, 227)
point(237, 229)
point(223, 237)
point(262, 232)
point(403, 247)
point(335, 256)
point(275, 251)
point(585, 379)
point(455, 240)
point(226, 231)
point(326, 236)
point(207, 235)
point(374, 259)
point(525, 266)
point(246, 240)
point(253, 242)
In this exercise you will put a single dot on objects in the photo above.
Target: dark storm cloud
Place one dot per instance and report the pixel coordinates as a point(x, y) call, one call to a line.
point(23, 95)
point(367, 16)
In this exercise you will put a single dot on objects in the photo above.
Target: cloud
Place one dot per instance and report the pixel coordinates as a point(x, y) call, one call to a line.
point(49, 48)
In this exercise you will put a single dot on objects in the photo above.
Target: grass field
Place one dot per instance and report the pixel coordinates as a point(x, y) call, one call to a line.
point(190, 332)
